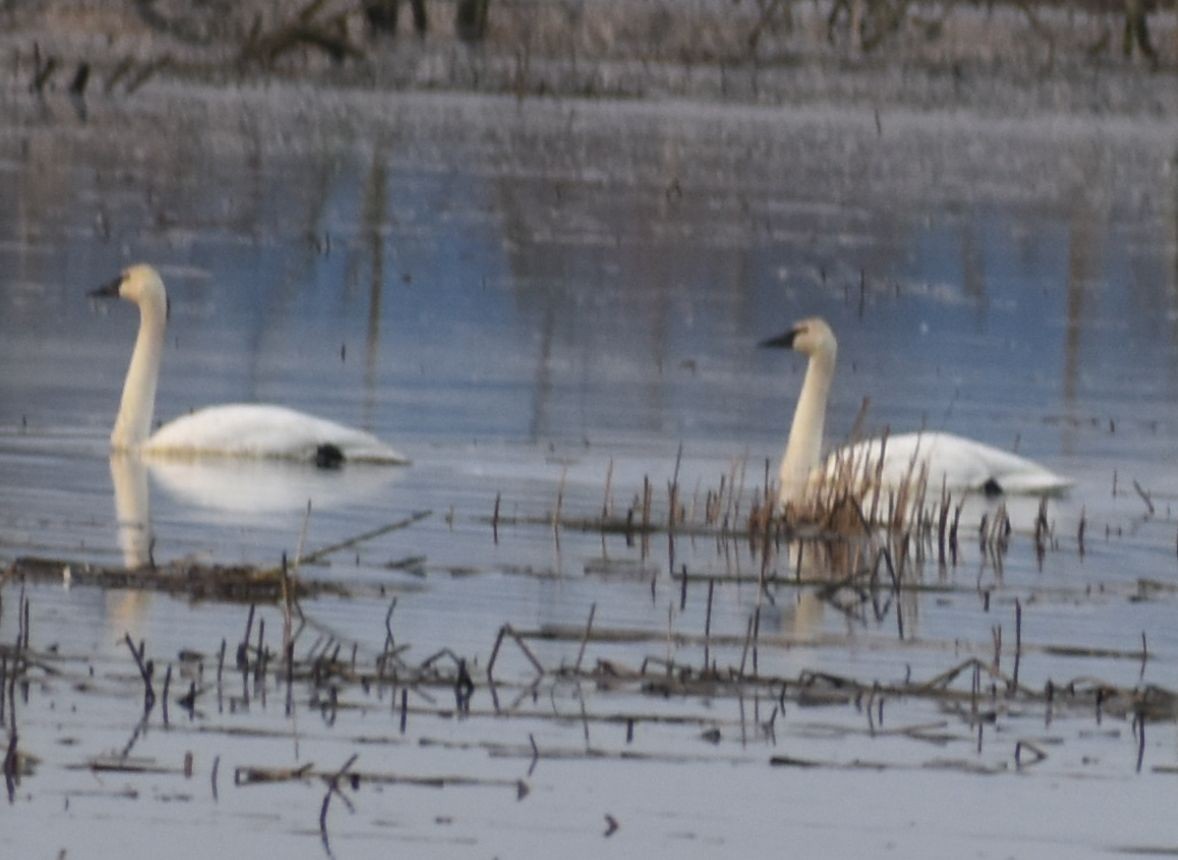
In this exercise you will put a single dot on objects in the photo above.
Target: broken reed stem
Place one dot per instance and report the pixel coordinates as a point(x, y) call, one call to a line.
point(607, 502)
point(535, 754)
point(288, 623)
point(11, 758)
point(585, 638)
point(288, 651)
point(333, 788)
point(673, 492)
point(390, 641)
point(243, 646)
point(708, 627)
point(145, 672)
point(508, 630)
point(646, 500)
point(748, 638)
point(1144, 497)
point(942, 520)
point(768, 489)
point(1034, 749)
point(1018, 638)
point(756, 636)
point(559, 501)
point(260, 663)
point(11, 764)
point(26, 625)
point(1140, 721)
point(415, 517)
point(953, 533)
point(1042, 532)
point(164, 697)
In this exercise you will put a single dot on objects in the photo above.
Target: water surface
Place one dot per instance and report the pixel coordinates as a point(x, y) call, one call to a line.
point(535, 300)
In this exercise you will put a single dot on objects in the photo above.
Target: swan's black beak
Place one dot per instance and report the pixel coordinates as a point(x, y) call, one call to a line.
point(782, 341)
point(108, 290)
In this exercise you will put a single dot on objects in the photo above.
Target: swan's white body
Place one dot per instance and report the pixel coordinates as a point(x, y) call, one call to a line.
point(942, 459)
point(237, 430)
point(954, 462)
point(259, 431)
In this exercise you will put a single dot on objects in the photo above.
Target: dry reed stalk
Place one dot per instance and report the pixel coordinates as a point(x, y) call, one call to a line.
point(145, 671)
point(607, 501)
point(585, 638)
point(673, 491)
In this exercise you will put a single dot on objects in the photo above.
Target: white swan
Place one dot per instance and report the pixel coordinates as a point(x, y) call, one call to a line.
point(236, 430)
point(957, 463)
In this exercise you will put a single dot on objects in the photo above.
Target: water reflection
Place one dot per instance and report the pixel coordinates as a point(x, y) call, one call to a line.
point(132, 512)
point(832, 574)
point(234, 491)
point(228, 492)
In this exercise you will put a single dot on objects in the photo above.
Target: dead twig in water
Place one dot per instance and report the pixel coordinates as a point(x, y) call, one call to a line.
point(585, 639)
point(1144, 497)
point(333, 788)
point(508, 630)
point(1034, 749)
point(145, 672)
point(415, 517)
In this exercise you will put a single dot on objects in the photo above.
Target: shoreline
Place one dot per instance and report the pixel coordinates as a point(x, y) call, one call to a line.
point(984, 61)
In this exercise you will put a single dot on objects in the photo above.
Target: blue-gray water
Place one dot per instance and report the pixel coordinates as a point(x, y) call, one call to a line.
point(526, 297)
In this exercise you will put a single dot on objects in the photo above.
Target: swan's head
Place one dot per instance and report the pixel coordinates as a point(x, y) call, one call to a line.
point(812, 337)
point(140, 284)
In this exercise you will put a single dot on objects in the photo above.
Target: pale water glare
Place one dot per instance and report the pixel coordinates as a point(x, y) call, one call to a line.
point(541, 303)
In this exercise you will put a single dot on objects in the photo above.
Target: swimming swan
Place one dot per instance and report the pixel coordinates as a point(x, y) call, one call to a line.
point(236, 430)
point(957, 463)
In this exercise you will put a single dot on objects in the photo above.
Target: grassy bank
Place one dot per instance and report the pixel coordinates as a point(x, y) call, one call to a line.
point(1002, 56)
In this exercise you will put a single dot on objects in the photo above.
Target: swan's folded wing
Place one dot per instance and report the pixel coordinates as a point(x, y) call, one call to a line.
point(951, 461)
point(260, 431)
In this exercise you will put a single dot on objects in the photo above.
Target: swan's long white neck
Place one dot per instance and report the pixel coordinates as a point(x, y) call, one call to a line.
point(137, 408)
point(803, 451)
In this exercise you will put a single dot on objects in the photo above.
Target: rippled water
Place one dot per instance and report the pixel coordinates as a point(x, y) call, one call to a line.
point(534, 299)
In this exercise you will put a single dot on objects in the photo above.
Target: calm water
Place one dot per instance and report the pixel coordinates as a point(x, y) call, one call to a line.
point(526, 298)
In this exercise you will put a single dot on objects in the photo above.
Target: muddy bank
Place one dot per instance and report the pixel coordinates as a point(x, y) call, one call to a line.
point(1008, 58)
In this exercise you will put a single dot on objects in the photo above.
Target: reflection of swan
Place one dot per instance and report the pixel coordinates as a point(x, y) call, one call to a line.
point(126, 608)
point(236, 492)
point(959, 464)
point(239, 430)
point(263, 486)
point(129, 477)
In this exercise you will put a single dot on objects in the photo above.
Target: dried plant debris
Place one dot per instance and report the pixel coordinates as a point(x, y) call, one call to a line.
point(717, 700)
